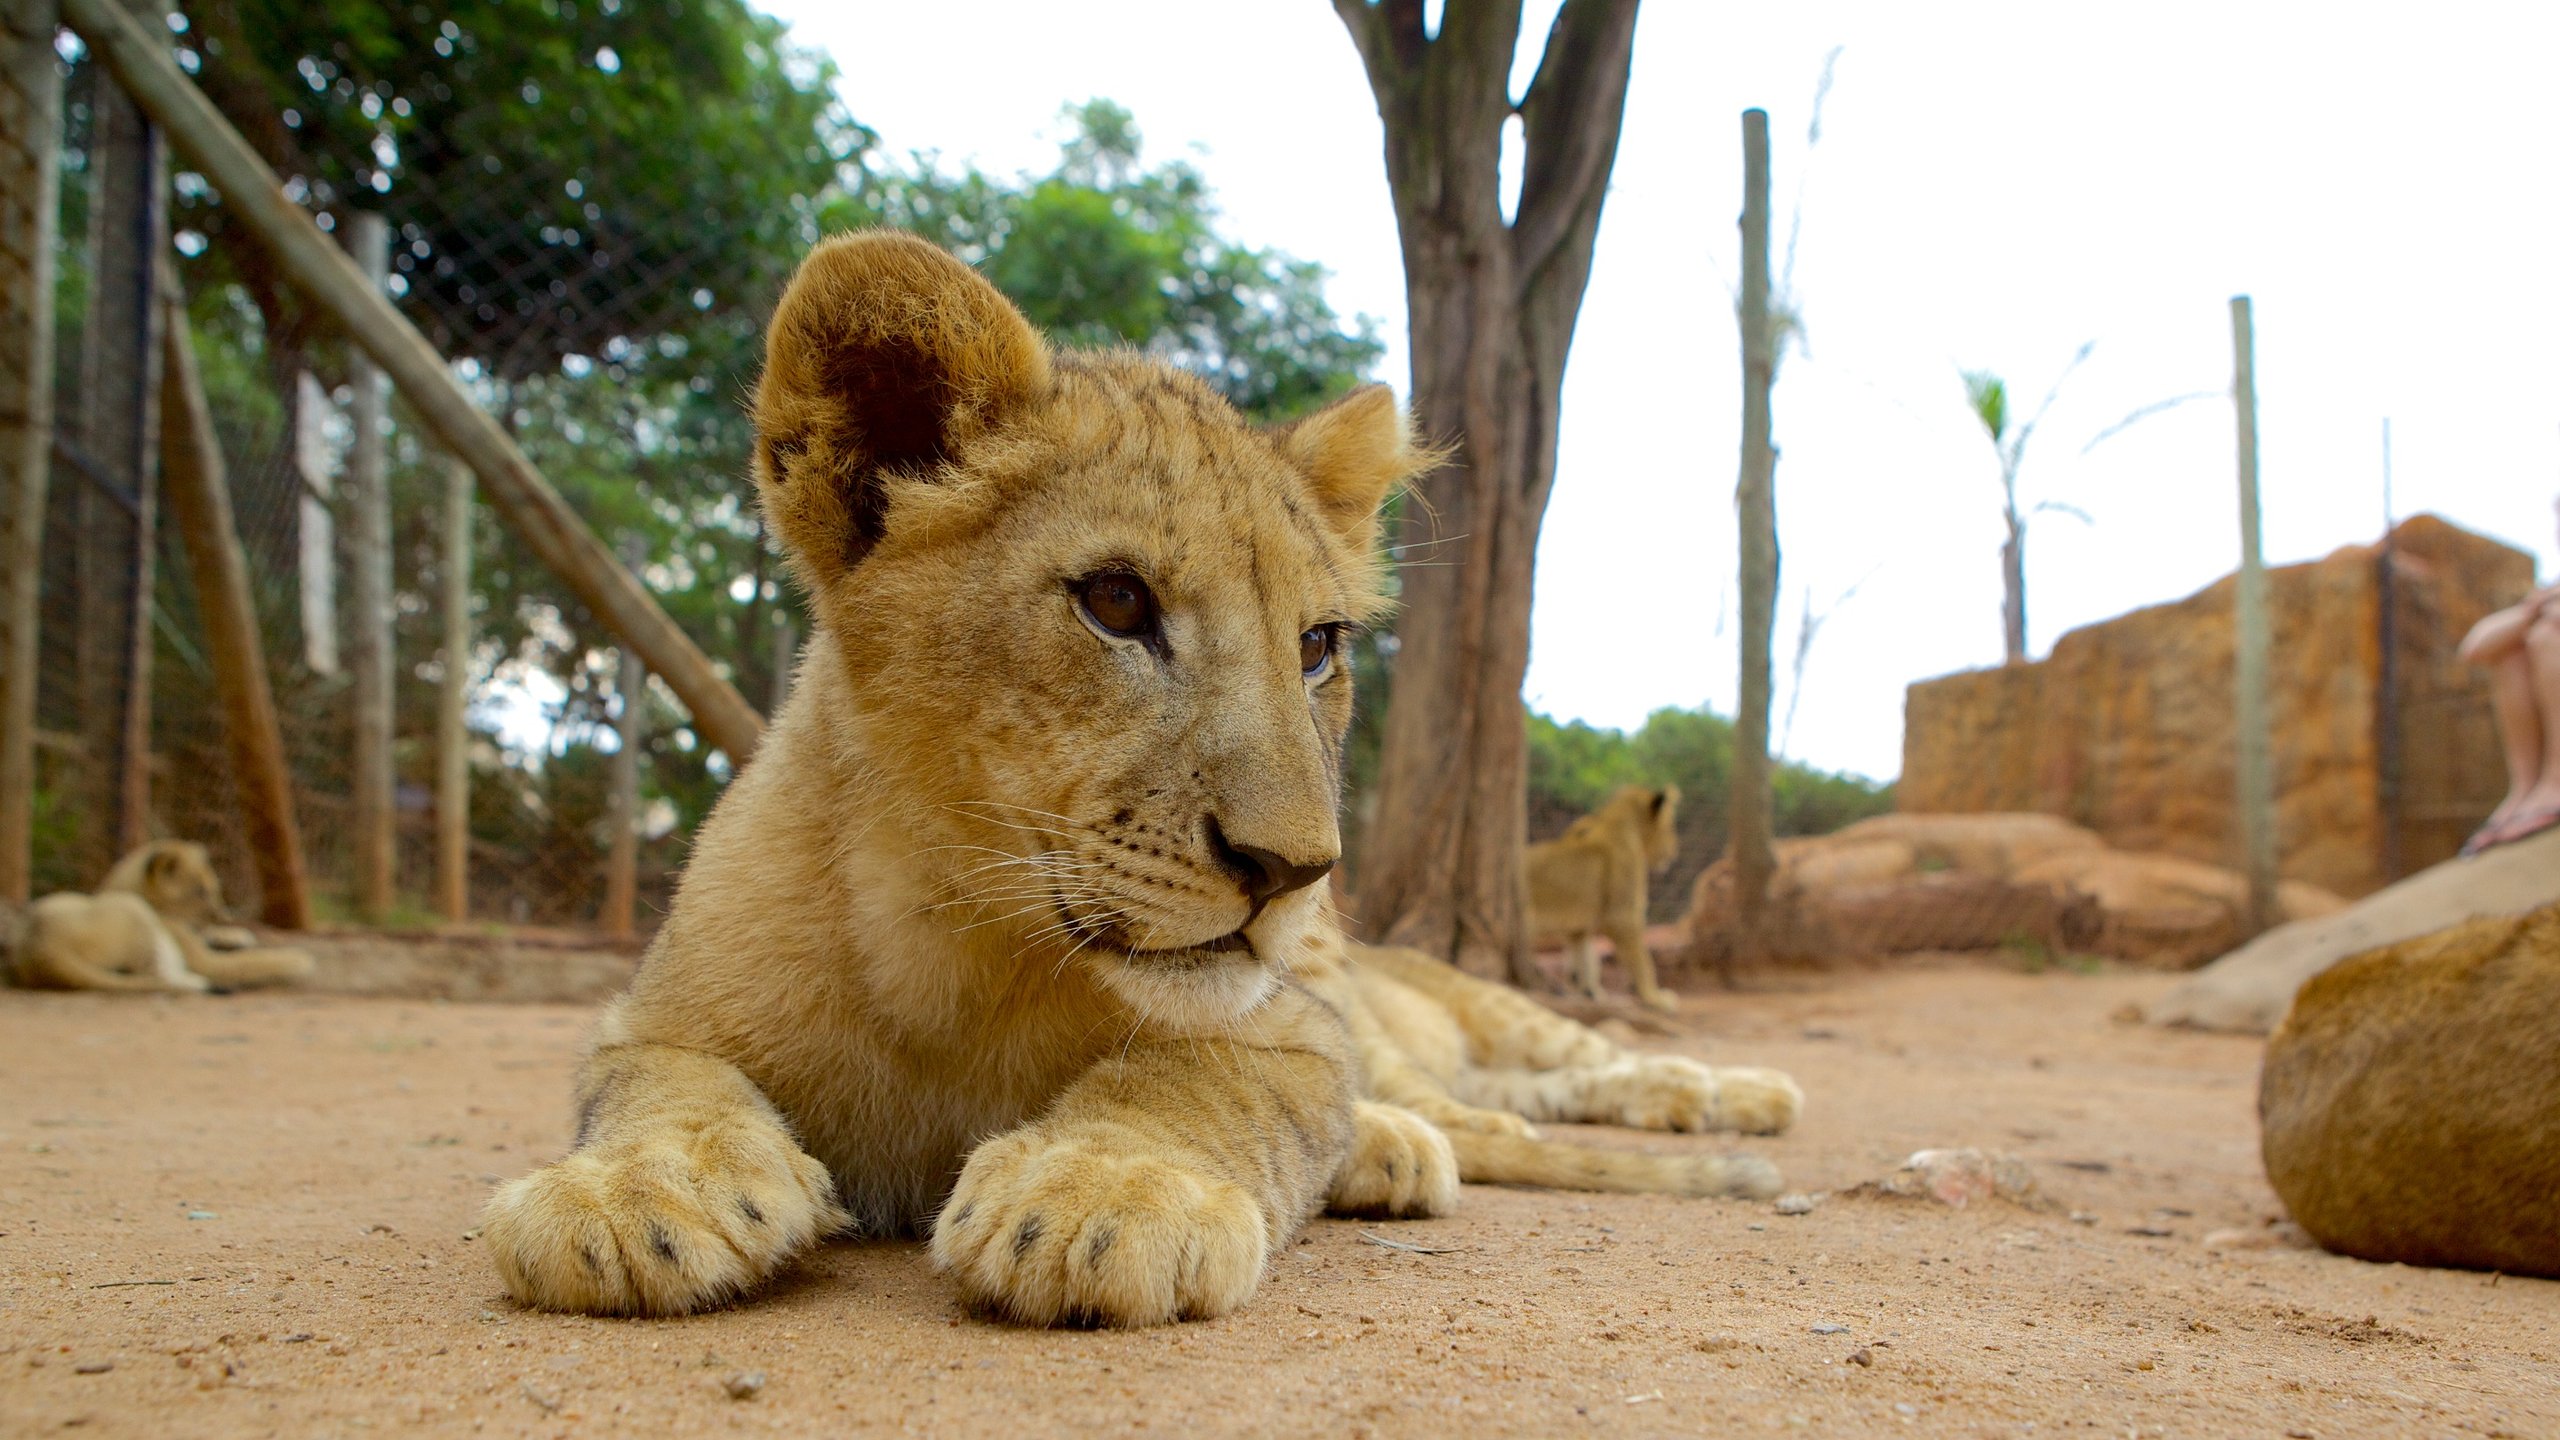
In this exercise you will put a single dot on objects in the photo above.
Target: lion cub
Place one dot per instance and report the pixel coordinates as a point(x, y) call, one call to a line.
point(147, 928)
point(1012, 933)
point(1592, 879)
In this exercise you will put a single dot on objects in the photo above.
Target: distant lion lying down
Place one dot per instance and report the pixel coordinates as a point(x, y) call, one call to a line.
point(1013, 932)
point(147, 928)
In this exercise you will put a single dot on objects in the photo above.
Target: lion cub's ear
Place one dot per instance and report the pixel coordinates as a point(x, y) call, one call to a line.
point(885, 357)
point(1355, 452)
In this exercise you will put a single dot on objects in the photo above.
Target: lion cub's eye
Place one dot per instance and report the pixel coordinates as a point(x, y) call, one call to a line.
point(1119, 602)
point(1315, 649)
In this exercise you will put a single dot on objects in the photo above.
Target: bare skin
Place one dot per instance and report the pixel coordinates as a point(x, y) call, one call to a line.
point(2520, 647)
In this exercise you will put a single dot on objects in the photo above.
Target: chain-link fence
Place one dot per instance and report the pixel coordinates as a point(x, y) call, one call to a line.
point(602, 302)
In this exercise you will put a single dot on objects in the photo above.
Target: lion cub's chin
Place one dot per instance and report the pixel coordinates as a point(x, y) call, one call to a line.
point(1188, 989)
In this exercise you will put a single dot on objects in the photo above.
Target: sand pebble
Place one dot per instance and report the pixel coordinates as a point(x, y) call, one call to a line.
point(745, 1385)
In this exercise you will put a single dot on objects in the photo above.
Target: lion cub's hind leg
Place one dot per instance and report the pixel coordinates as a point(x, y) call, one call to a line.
point(1586, 965)
point(686, 1190)
point(1643, 1092)
point(1532, 1061)
point(1636, 958)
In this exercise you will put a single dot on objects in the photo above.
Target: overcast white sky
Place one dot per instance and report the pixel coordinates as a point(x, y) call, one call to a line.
point(1989, 192)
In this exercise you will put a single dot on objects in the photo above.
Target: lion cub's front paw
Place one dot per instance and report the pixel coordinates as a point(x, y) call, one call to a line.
point(1658, 1000)
point(1045, 1232)
point(661, 1225)
point(1400, 1164)
point(1668, 1092)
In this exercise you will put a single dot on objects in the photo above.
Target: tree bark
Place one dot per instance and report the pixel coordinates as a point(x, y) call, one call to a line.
point(1492, 307)
point(1755, 508)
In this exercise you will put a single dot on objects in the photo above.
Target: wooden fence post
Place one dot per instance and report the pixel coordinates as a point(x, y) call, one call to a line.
point(2256, 759)
point(120, 415)
point(254, 199)
point(1755, 507)
point(30, 197)
point(375, 848)
point(453, 738)
point(622, 809)
point(200, 504)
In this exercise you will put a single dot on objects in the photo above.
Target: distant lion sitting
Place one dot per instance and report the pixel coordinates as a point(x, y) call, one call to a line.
point(145, 929)
point(1593, 880)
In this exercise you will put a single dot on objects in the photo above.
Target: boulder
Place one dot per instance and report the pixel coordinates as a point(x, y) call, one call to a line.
point(2410, 1102)
point(1902, 883)
point(2166, 910)
point(2248, 989)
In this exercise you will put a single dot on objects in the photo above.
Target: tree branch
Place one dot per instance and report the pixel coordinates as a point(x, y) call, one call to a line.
point(1570, 120)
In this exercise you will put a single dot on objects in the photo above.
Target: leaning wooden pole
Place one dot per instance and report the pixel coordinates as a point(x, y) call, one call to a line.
point(199, 496)
point(2256, 743)
point(453, 736)
point(1755, 507)
point(30, 200)
point(376, 844)
point(139, 61)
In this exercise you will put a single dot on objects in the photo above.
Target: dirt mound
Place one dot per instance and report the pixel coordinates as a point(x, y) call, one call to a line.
point(2408, 1097)
point(1903, 883)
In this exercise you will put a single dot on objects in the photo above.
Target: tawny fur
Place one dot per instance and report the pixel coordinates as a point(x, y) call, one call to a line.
point(968, 950)
point(147, 928)
point(2410, 1100)
point(1594, 880)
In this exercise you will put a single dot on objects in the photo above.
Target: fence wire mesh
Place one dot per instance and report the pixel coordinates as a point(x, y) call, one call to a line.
point(605, 308)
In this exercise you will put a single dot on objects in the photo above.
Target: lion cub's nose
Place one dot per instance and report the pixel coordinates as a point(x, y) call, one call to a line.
point(1265, 875)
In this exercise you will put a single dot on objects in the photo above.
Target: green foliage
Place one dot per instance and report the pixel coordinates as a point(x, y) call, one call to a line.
point(1574, 767)
point(558, 175)
point(1988, 395)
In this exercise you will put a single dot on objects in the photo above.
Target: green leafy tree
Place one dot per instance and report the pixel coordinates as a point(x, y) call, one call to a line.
point(1106, 250)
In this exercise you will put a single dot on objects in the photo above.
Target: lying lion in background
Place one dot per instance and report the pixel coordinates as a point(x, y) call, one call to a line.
point(1595, 880)
point(147, 928)
point(1012, 932)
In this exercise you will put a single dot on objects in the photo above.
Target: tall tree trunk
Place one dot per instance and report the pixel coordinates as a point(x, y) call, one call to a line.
point(1492, 309)
point(1756, 513)
point(2013, 590)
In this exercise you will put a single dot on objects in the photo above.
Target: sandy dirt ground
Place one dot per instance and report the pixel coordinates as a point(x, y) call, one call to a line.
point(252, 1216)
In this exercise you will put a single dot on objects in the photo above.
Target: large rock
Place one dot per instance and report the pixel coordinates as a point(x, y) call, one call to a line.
point(1901, 883)
point(2248, 989)
point(2410, 1103)
point(2386, 754)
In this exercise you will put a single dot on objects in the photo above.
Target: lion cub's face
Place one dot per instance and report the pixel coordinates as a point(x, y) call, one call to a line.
point(1093, 622)
point(175, 877)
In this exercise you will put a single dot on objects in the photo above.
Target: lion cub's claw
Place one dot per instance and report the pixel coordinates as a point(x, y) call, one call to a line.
point(664, 1225)
point(1065, 1230)
point(1400, 1165)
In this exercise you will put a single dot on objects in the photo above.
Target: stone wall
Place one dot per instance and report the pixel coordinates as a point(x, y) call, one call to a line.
point(2126, 727)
